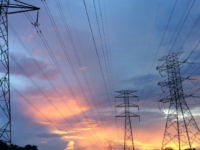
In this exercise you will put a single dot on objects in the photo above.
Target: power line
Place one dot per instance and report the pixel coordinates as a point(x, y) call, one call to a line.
point(97, 54)
point(159, 63)
point(60, 70)
point(147, 55)
point(82, 52)
point(106, 49)
point(182, 26)
point(159, 45)
point(104, 55)
point(78, 58)
point(44, 116)
point(177, 26)
point(109, 50)
point(176, 37)
point(39, 89)
point(149, 44)
point(43, 72)
point(147, 113)
point(64, 49)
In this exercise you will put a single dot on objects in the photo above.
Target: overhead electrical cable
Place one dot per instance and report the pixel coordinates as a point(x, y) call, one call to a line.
point(190, 32)
point(110, 56)
point(108, 43)
point(46, 77)
point(176, 38)
point(160, 62)
point(148, 52)
point(183, 73)
point(65, 51)
point(182, 26)
point(97, 54)
point(197, 56)
point(39, 89)
point(67, 55)
point(108, 72)
point(66, 81)
point(45, 117)
point(106, 49)
point(79, 61)
point(157, 54)
point(60, 71)
point(178, 24)
point(159, 45)
point(79, 42)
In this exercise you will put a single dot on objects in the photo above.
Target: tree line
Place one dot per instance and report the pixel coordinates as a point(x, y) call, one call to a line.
point(4, 146)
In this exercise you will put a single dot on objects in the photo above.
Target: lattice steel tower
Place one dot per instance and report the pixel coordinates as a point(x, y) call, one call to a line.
point(181, 130)
point(128, 135)
point(5, 108)
point(110, 147)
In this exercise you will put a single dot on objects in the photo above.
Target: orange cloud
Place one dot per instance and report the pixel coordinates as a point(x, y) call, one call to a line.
point(91, 134)
point(83, 68)
point(70, 145)
point(48, 110)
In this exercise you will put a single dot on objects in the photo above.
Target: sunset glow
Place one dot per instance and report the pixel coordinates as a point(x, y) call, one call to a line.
point(65, 72)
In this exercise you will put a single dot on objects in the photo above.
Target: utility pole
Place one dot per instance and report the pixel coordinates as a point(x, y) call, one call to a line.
point(128, 135)
point(181, 130)
point(5, 107)
point(110, 147)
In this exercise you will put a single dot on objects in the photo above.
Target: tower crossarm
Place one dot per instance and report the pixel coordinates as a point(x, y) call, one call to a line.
point(168, 82)
point(129, 115)
point(166, 99)
point(24, 7)
point(125, 105)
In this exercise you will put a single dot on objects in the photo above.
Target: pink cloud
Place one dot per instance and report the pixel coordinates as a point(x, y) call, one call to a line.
point(36, 51)
point(30, 67)
point(83, 68)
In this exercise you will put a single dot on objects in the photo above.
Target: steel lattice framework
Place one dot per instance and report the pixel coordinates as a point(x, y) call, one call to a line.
point(128, 135)
point(181, 130)
point(5, 130)
point(110, 147)
point(5, 107)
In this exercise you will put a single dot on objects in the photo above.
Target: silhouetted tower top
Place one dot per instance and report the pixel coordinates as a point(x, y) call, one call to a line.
point(110, 147)
point(181, 130)
point(128, 135)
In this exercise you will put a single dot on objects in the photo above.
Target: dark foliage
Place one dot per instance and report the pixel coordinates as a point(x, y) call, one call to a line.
point(4, 146)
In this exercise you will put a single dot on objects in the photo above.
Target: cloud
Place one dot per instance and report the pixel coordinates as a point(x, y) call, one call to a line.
point(28, 38)
point(54, 144)
point(30, 67)
point(83, 68)
point(49, 135)
point(36, 51)
point(70, 145)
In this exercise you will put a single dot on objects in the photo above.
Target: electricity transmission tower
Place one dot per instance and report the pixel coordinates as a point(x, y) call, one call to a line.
point(181, 130)
point(128, 135)
point(5, 107)
point(110, 147)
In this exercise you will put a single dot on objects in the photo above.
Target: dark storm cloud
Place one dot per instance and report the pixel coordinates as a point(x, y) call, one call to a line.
point(48, 135)
point(30, 67)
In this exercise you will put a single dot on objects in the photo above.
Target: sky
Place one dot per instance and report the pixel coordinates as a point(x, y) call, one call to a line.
point(67, 76)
